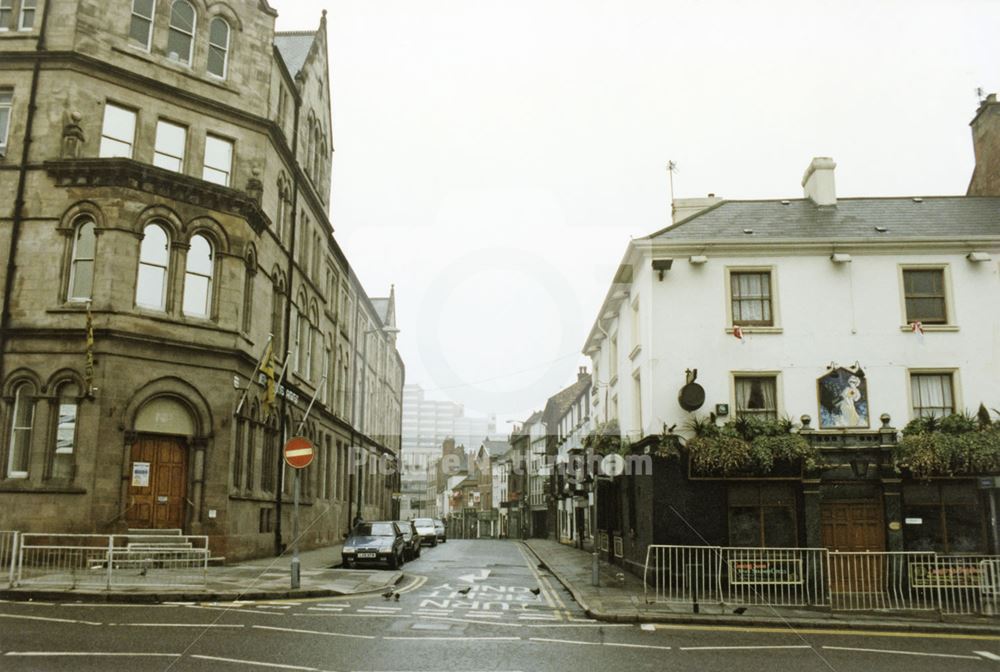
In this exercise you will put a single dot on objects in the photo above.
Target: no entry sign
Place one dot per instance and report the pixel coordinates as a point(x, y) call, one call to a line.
point(298, 452)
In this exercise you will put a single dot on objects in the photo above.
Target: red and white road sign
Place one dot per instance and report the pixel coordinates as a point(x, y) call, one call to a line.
point(299, 452)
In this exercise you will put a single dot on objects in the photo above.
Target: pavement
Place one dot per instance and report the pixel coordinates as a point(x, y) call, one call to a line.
point(620, 599)
point(262, 579)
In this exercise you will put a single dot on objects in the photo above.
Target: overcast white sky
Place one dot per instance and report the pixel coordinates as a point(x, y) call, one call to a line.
point(493, 157)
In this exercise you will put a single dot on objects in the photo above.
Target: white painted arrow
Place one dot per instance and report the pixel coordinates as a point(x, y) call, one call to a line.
point(472, 578)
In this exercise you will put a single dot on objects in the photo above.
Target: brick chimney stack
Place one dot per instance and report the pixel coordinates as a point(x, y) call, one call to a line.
point(986, 145)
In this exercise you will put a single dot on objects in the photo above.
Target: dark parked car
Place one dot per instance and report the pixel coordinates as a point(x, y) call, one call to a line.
point(411, 538)
point(440, 531)
point(377, 542)
point(425, 527)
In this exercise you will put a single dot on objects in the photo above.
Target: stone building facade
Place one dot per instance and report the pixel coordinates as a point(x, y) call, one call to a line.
point(164, 219)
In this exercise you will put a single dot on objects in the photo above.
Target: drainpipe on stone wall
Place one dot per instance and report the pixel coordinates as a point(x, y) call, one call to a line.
point(22, 179)
point(280, 458)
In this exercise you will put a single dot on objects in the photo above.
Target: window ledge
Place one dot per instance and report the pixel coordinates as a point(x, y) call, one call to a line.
point(177, 66)
point(931, 327)
point(27, 487)
point(635, 352)
point(757, 330)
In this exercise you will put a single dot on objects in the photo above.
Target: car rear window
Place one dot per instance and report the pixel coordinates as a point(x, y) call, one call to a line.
point(424, 522)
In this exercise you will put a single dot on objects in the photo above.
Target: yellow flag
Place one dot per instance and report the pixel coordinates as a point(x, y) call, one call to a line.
point(267, 368)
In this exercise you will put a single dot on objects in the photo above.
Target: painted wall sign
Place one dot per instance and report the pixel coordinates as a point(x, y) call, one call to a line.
point(843, 399)
point(914, 521)
point(765, 572)
point(140, 474)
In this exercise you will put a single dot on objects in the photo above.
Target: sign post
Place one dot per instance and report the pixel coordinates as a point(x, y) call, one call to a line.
point(299, 454)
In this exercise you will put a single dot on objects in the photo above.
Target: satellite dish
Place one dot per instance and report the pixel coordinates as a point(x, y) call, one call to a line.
point(613, 465)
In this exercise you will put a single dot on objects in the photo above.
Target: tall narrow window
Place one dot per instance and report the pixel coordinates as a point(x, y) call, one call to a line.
point(171, 139)
point(81, 273)
point(180, 38)
point(64, 448)
point(925, 296)
point(198, 278)
point(751, 297)
point(218, 47)
point(248, 281)
point(238, 450)
point(301, 332)
point(154, 256)
point(757, 396)
point(218, 160)
point(278, 318)
point(6, 103)
point(932, 395)
point(140, 31)
point(27, 20)
point(118, 132)
point(22, 418)
point(6, 14)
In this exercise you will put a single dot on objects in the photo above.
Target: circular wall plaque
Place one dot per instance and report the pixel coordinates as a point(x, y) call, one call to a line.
point(691, 397)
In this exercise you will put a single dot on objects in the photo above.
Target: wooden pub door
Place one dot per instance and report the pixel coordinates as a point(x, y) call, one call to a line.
point(853, 528)
point(157, 491)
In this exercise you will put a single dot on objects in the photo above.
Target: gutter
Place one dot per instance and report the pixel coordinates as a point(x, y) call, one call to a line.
point(22, 177)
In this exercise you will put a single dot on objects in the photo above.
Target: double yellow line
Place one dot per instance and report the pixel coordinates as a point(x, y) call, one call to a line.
point(551, 595)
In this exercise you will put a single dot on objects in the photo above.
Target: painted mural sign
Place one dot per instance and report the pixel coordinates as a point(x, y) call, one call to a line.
point(955, 574)
point(765, 572)
point(843, 399)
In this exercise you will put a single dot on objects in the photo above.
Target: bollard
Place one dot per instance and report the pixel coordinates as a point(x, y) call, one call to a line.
point(595, 569)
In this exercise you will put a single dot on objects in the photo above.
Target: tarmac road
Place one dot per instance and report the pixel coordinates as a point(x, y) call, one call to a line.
point(464, 605)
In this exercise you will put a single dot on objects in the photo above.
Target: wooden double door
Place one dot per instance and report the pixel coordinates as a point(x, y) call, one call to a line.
point(854, 528)
point(158, 477)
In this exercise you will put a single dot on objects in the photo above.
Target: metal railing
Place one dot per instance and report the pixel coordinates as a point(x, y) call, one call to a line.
point(8, 555)
point(112, 561)
point(842, 581)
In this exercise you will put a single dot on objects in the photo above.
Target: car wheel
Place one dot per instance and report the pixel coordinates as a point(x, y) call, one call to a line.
point(394, 562)
point(434, 543)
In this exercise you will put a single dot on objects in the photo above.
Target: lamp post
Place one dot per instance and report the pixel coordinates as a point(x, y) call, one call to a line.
point(388, 331)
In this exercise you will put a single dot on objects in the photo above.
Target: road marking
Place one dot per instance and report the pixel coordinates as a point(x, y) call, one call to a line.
point(987, 655)
point(416, 583)
point(273, 606)
point(457, 639)
point(119, 606)
point(176, 625)
point(313, 632)
point(44, 654)
point(336, 610)
point(49, 619)
point(902, 653)
point(576, 625)
point(562, 641)
point(538, 577)
point(637, 646)
point(253, 662)
point(373, 607)
point(744, 648)
point(822, 631)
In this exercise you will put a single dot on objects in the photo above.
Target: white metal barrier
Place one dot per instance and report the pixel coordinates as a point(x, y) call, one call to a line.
point(111, 561)
point(8, 555)
point(842, 581)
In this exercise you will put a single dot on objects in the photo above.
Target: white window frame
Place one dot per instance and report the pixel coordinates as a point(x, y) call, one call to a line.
point(949, 299)
point(8, 106)
point(149, 34)
point(229, 169)
point(75, 258)
point(165, 267)
point(223, 48)
point(7, 6)
point(194, 31)
point(14, 429)
point(189, 274)
point(956, 388)
point(779, 407)
point(21, 14)
point(104, 128)
point(158, 152)
point(775, 326)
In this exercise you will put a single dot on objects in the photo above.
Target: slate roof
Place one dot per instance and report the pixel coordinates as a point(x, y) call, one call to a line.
point(495, 448)
point(294, 48)
point(562, 401)
point(854, 218)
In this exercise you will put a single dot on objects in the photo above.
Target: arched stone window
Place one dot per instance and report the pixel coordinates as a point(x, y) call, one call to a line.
point(154, 262)
point(198, 278)
point(180, 38)
point(218, 47)
point(248, 290)
point(278, 315)
point(22, 419)
point(63, 447)
point(81, 271)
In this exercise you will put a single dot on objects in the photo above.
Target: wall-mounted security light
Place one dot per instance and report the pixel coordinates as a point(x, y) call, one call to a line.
point(978, 257)
point(662, 265)
point(839, 258)
point(698, 259)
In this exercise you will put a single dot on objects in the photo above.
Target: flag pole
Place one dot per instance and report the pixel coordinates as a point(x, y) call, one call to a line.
point(302, 422)
point(260, 361)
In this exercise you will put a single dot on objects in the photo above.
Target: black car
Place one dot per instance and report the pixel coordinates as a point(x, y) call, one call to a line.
point(372, 543)
point(411, 538)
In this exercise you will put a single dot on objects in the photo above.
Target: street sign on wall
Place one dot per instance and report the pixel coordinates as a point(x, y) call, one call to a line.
point(299, 452)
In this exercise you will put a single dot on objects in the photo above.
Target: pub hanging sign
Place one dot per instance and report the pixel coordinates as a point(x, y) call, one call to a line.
point(843, 398)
